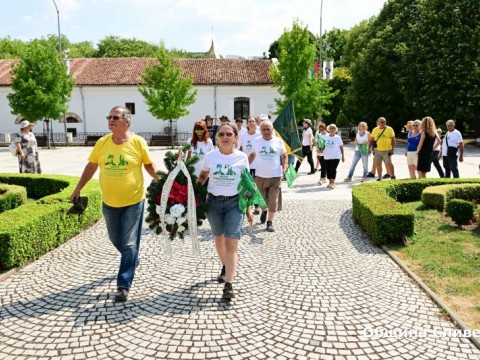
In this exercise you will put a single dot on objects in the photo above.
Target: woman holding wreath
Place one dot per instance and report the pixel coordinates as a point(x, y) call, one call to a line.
point(223, 167)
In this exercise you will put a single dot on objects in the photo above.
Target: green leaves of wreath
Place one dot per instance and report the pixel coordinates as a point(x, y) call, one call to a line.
point(178, 223)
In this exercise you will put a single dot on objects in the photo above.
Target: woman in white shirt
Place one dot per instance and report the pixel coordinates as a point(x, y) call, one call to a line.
point(332, 154)
point(307, 146)
point(200, 144)
point(224, 167)
point(361, 151)
point(320, 137)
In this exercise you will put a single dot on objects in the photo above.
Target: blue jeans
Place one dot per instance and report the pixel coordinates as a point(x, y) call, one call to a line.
point(124, 226)
point(224, 216)
point(356, 158)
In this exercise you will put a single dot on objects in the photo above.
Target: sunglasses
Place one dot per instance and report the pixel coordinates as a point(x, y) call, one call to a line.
point(227, 134)
point(415, 125)
point(114, 117)
point(199, 130)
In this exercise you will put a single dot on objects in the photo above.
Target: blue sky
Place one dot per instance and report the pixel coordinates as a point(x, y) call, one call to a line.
point(240, 27)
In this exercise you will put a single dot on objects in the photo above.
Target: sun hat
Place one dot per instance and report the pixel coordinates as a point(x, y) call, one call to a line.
point(308, 121)
point(263, 117)
point(24, 124)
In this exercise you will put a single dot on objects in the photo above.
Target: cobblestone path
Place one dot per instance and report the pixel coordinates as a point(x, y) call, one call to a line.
point(315, 288)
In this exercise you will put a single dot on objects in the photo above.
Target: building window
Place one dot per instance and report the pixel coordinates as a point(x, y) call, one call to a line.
point(131, 107)
point(241, 107)
point(72, 120)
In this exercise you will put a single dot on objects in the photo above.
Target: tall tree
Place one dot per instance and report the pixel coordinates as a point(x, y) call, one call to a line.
point(166, 90)
point(11, 48)
point(375, 89)
point(82, 49)
point(114, 46)
point(291, 75)
point(333, 45)
point(40, 83)
point(442, 73)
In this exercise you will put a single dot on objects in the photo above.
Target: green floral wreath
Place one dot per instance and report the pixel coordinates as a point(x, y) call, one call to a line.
point(175, 214)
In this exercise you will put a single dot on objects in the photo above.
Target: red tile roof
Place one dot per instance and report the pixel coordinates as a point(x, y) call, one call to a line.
point(128, 71)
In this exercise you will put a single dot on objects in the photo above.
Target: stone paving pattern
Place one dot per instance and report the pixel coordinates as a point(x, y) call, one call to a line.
point(307, 291)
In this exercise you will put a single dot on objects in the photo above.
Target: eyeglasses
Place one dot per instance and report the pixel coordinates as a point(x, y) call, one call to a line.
point(114, 117)
point(415, 125)
point(227, 134)
point(382, 122)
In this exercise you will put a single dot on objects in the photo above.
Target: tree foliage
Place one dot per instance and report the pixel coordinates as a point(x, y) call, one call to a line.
point(115, 46)
point(166, 90)
point(40, 83)
point(291, 75)
point(333, 45)
point(417, 58)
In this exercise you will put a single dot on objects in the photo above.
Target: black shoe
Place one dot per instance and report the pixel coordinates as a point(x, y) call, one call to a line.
point(386, 176)
point(228, 291)
point(311, 173)
point(221, 277)
point(256, 211)
point(393, 177)
point(121, 295)
point(371, 175)
point(263, 217)
point(270, 226)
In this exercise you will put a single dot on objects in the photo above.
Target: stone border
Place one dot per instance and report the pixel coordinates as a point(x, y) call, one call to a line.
point(454, 317)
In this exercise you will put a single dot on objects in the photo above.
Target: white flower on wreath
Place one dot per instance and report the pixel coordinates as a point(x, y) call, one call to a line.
point(180, 228)
point(169, 219)
point(177, 210)
point(181, 220)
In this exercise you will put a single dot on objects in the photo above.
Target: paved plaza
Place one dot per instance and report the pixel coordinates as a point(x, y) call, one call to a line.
point(314, 289)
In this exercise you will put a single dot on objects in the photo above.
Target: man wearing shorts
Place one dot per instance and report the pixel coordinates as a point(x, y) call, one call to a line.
point(384, 137)
point(271, 162)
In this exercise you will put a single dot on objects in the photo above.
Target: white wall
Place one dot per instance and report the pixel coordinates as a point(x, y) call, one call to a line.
point(98, 100)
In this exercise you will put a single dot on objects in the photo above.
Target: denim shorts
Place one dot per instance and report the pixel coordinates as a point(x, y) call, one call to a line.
point(224, 216)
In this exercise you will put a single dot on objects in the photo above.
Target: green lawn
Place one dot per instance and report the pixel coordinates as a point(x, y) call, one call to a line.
point(447, 259)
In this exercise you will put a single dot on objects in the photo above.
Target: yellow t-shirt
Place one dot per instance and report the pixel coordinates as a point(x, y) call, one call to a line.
point(384, 143)
point(121, 176)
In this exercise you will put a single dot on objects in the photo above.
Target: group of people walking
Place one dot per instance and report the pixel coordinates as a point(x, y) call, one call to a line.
point(224, 152)
point(425, 146)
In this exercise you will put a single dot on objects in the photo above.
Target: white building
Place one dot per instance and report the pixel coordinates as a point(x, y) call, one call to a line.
point(235, 88)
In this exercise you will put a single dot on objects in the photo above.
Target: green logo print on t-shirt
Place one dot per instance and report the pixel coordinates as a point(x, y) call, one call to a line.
point(224, 170)
point(121, 161)
point(271, 152)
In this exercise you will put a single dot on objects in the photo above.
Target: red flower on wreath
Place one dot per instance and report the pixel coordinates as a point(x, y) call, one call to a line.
point(178, 194)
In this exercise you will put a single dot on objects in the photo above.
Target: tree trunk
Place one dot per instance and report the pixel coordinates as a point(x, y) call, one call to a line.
point(171, 133)
point(47, 122)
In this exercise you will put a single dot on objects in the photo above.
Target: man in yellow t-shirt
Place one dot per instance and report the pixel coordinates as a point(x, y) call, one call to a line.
point(120, 156)
point(384, 137)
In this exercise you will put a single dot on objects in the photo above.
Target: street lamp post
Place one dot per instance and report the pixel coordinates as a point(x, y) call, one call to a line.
point(320, 43)
point(61, 59)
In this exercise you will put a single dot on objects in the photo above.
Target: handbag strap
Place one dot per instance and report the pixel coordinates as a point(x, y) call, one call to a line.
point(381, 134)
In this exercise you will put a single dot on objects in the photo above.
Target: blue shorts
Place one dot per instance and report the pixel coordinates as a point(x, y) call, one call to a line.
point(224, 216)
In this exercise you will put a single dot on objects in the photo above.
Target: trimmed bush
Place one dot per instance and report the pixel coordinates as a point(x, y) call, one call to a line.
point(31, 230)
point(377, 207)
point(461, 211)
point(438, 196)
point(11, 196)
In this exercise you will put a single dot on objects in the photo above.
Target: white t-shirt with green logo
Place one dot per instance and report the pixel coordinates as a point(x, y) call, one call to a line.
point(201, 150)
point(225, 171)
point(246, 142)
point(267, 157)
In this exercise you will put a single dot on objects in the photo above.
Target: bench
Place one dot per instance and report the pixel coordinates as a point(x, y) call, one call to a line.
point(92, 139)
point(163, 140)
point(41, 140)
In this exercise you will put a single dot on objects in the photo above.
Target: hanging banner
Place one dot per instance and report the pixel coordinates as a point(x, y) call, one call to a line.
point(328, 69)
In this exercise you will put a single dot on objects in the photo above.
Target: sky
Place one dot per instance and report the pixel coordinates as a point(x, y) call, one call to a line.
point(239, 27)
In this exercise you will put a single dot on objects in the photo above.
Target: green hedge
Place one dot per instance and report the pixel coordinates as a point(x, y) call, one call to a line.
point(437, 197)
point(11, 196)
point(377, 207)
point(31, 230)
